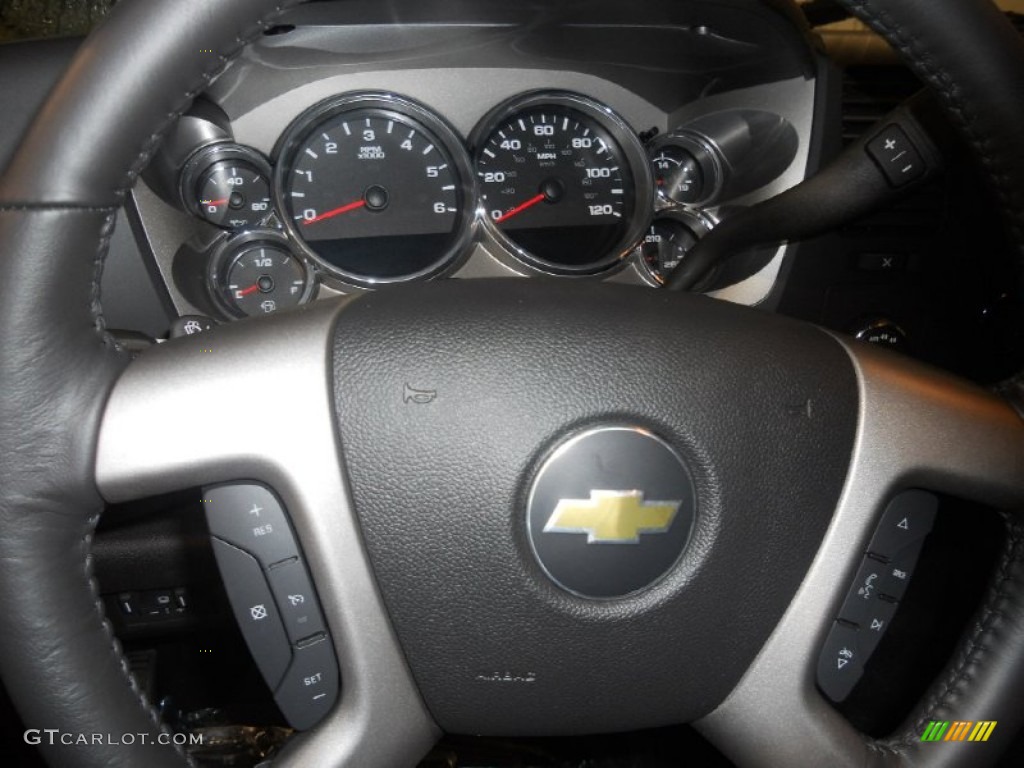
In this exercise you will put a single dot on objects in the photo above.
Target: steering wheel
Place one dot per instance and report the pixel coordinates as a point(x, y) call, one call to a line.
point(788, 443)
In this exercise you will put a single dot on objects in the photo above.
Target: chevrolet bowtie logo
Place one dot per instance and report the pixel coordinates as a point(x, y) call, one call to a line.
point(612, 517)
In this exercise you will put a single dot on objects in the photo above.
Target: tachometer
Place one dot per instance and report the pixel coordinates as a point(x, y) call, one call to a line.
point(375, 188)
point(563, 180)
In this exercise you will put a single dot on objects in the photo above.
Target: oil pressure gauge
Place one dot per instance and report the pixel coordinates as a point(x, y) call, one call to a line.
point(256, 274)
point(228, 185)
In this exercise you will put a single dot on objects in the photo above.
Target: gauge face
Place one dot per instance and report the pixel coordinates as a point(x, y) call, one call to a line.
point(669, 239)
point(259, 276)
point(677, 174)
point(234, 195)
point(665, 245)
point(374, 188)
point(557, 177)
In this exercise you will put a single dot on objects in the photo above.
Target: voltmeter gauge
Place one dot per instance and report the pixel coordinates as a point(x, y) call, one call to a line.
point(256, 274)
point(677, 174)
point(686, 168)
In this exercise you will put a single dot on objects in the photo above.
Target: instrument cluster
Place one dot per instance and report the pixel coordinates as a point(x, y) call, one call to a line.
point(367, 189)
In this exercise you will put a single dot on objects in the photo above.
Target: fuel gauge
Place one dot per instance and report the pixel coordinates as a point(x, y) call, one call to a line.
point(256, 274)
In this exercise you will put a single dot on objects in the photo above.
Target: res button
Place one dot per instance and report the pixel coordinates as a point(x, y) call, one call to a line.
point(251, 518)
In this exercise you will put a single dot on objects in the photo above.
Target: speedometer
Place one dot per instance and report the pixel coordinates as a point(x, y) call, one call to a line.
point(563, 181)
point(375, 189)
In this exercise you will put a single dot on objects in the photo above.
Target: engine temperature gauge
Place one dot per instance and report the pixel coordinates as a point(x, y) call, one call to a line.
point(668, 240)
point(256, 274)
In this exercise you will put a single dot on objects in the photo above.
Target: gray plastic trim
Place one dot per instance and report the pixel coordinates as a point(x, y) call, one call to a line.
point(162, 430)
point(917, 427)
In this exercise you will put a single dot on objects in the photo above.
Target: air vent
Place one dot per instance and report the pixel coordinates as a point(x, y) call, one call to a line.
point(869, 93)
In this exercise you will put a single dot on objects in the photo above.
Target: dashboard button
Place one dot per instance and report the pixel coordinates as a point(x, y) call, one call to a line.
point(254, 610)
point(251, 518)
point(896, 156)
point(310, 688)
point(898, 571)
point(871, 616)
point(865, 585)
point(840, 665)
point(882, 262)
point(908, 519)
point(296, 600)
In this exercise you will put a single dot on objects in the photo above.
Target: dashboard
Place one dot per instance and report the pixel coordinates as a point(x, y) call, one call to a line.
point(522, 140)
point(360, 147)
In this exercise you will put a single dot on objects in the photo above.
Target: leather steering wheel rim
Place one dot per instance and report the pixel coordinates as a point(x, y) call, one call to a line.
point(132, 78)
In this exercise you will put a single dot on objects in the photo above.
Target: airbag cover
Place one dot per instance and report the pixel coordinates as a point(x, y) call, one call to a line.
point(451, 395)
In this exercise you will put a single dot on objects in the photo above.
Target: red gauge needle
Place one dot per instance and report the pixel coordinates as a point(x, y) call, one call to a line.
point(251, 289)
point(520, 208)
point(214, 202)
point(336, 212)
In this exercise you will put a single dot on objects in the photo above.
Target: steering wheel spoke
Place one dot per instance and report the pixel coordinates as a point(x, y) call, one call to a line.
point(164, 428)
point(917, 428)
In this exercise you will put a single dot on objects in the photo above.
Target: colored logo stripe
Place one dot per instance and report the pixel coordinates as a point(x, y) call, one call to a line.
point(958, 730)
point(982, 730)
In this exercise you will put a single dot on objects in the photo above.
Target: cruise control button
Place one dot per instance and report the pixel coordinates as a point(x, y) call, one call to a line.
point(296, 600)
point(254, 609)
point(840, 665)
point(310, 688)
point(908, 519)
point(250, 517)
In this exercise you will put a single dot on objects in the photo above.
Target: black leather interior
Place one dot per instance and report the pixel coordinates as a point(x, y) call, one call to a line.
point(973, 59)
point(58, 659)
point(96, 131)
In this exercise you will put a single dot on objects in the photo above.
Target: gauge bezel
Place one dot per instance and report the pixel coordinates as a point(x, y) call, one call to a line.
point(230, 246)
point(203, 159)
point(634, 154)
point(393, 106)
point(699, 222)
point(708, 156)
